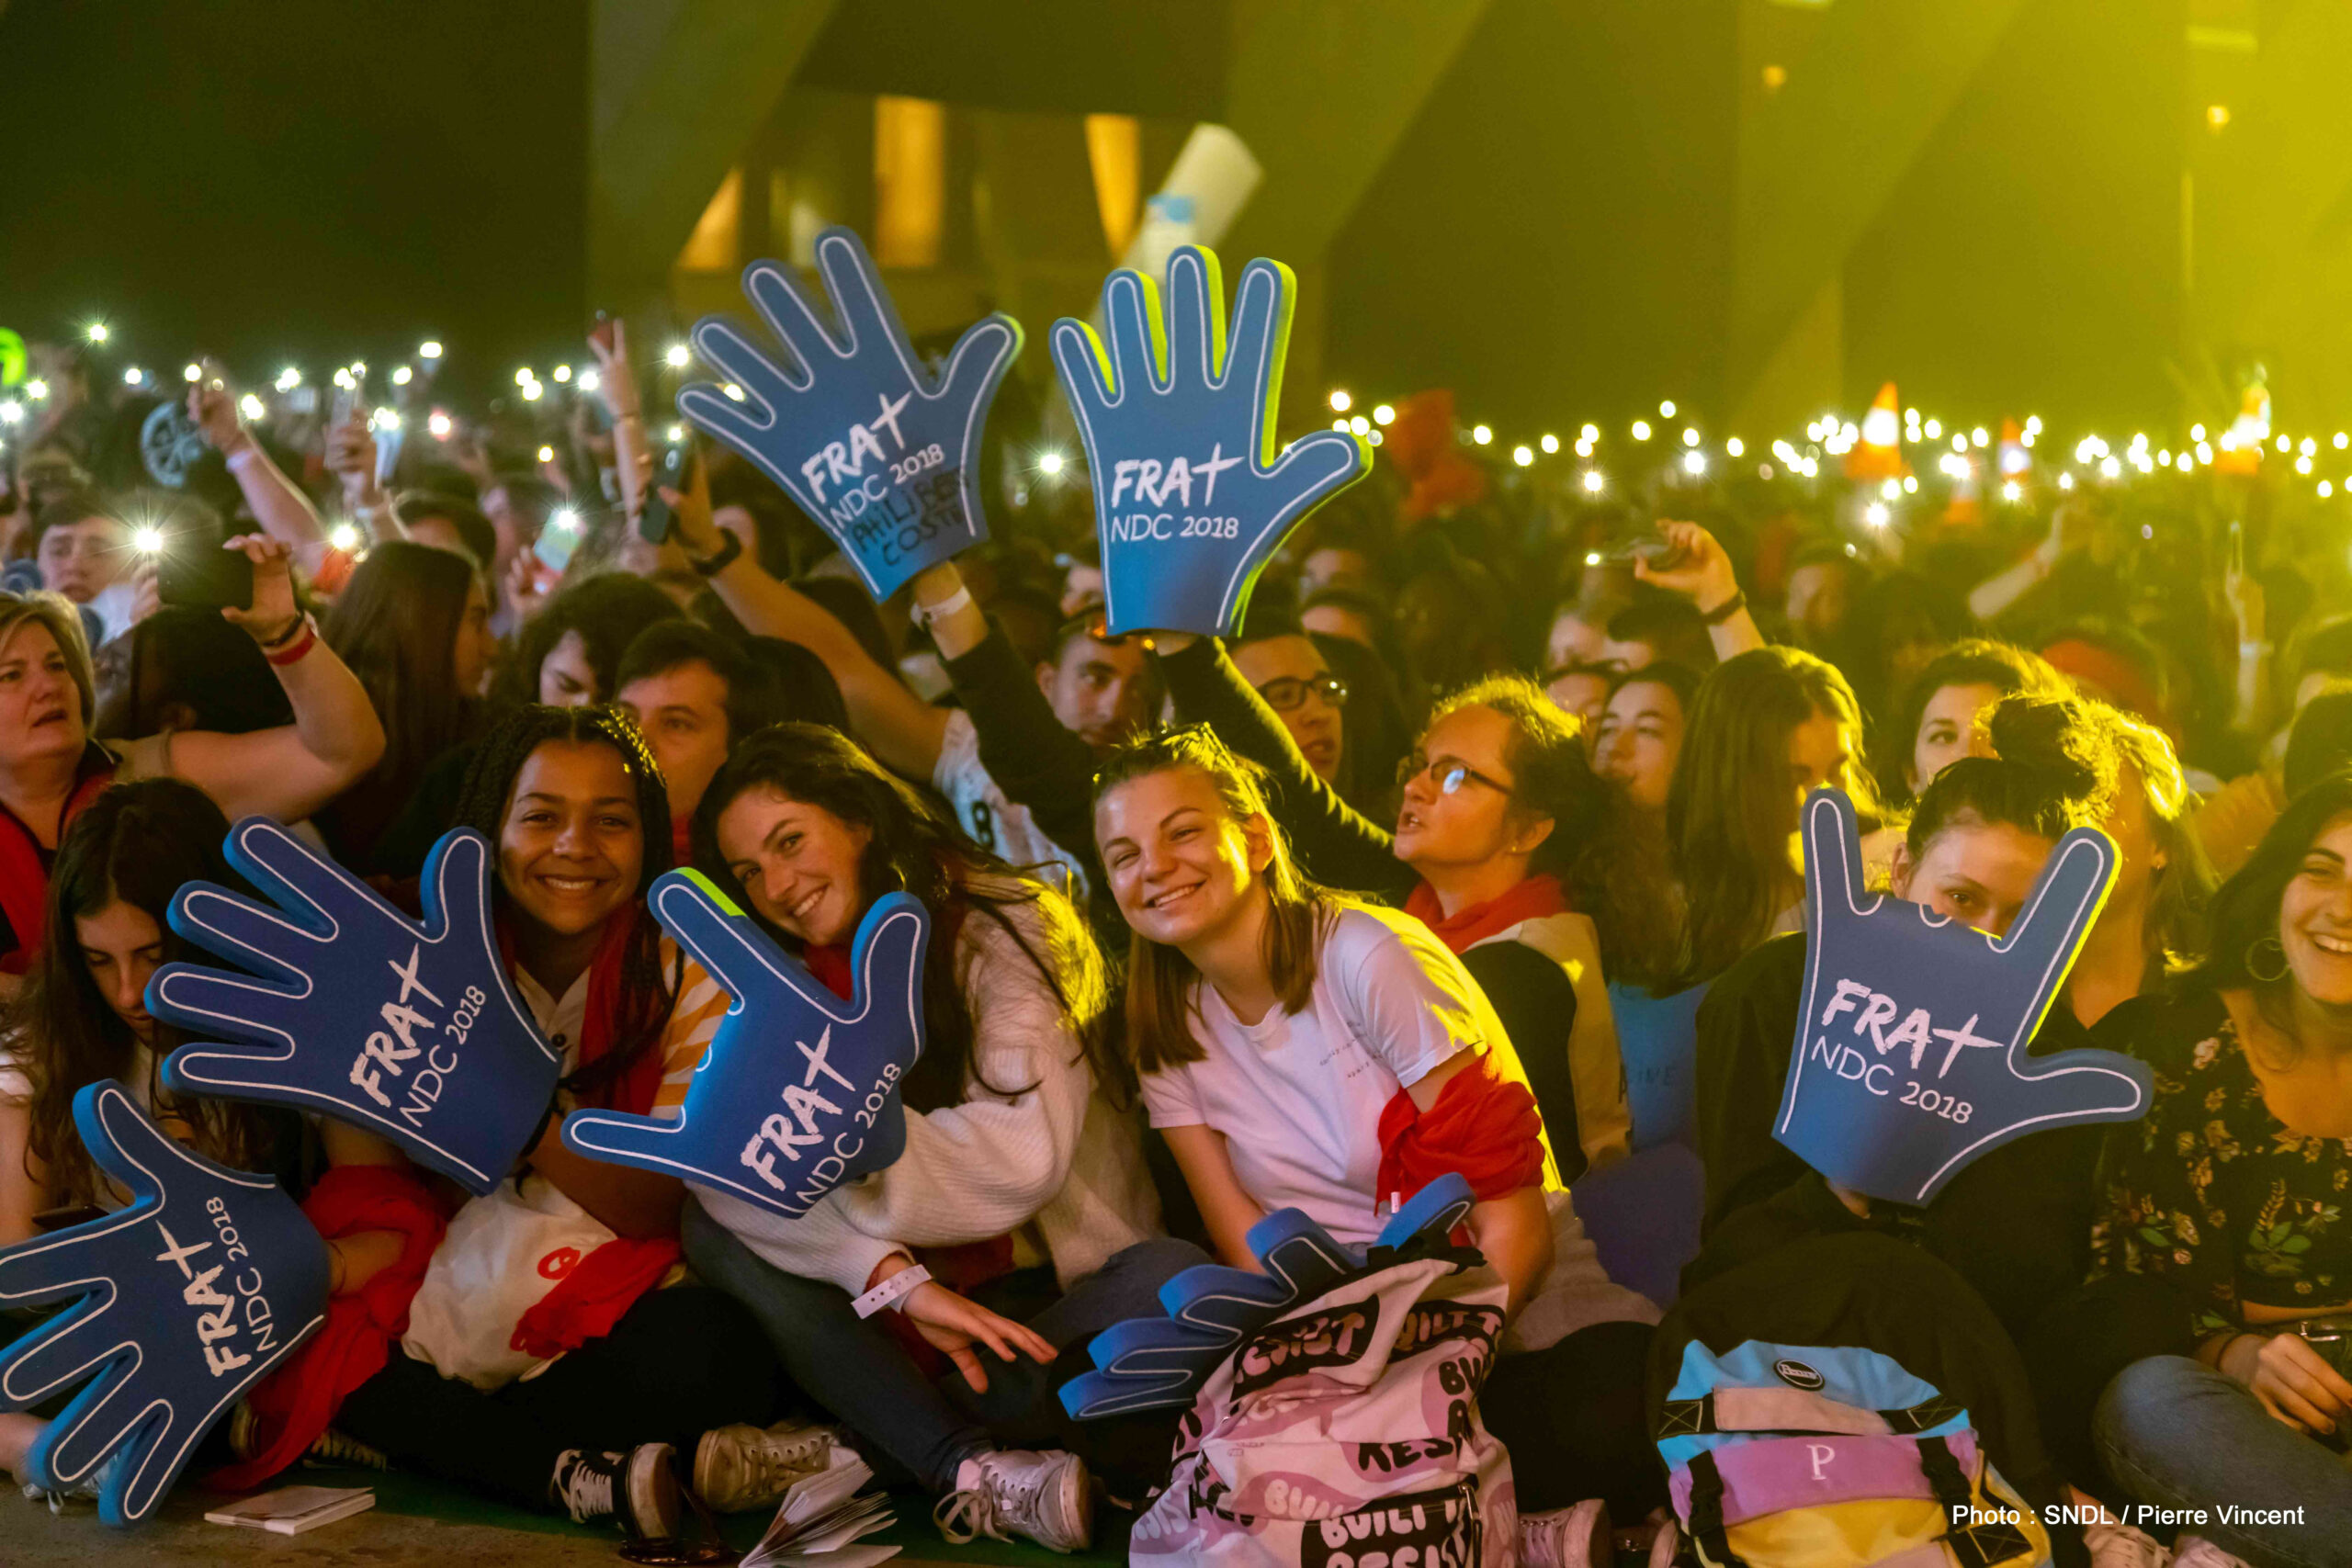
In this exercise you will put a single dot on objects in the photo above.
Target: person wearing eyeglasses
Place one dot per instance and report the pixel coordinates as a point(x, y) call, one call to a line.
point(1283, 662)
point(1506, 845)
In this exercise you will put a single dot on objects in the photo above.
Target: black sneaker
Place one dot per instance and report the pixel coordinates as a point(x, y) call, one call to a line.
point(640, 1488)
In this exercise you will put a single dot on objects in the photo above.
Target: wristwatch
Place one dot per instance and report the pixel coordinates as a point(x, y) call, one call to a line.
point(721, 558)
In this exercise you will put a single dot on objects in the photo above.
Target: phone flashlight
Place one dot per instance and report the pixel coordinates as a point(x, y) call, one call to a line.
point(148, 541)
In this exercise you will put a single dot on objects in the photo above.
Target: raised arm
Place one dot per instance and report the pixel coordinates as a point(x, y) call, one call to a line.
point(1989, 599)
point(293, 771)
point(277, 503)
point(1700, 571)
point(900, 728)
point(1338, 844)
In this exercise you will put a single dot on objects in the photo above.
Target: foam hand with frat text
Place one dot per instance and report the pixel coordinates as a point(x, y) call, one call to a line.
point(881, 451)
point(409, 1029)
point(188, 1297)
point(799, 1090)
point(1190, 498)
point(1911, 1052)
point(1151, 1363)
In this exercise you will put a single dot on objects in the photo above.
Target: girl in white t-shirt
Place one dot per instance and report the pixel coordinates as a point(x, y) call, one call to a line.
point(1298, 1049)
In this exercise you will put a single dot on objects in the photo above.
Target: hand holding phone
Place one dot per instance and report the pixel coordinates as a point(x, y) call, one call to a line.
point(655, 518)
point(201, 575)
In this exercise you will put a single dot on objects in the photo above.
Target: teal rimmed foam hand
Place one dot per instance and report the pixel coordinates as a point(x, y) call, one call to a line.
point(1191, 497)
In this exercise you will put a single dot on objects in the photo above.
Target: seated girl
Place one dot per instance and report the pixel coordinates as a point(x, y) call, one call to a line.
point(2229, 1190)
point(1022, 1193)
point(83, 1016)
point(1506, 845)
point(1303, 1049)
point(546, 1363)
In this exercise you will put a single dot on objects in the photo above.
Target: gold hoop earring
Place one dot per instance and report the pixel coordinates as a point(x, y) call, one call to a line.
point(2255, 950)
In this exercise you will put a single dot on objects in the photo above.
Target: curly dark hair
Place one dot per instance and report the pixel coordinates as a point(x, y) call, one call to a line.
point(647, 993)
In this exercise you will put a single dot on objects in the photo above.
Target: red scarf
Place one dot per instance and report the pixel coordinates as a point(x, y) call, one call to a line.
point(24, 877)
point(1481, 1126)
point(634, 1090)
point(1528, 900)
point(298, 1401)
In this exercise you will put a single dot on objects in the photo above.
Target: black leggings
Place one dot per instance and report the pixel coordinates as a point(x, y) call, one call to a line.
point(678, 1363)
point(1575, 1418)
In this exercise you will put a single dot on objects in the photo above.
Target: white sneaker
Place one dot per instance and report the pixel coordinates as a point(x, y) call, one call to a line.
point(640, 1488)
point(1574, 1537)
point(738, 1468)
point(1043, 1496)
point(2195, 1552)
point(2114, 1544)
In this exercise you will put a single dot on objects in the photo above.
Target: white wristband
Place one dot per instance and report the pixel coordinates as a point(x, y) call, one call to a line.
point(245, 455)
point(887, 1292)
point(927, 615)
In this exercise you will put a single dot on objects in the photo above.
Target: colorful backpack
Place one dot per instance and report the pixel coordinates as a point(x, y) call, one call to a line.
point(1833, 1457)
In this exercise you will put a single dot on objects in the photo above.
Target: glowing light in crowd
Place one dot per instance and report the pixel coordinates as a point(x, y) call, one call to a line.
point(1891, 489)
point(1878, 427)
point(1689, 436)
point(2326, 490)
point(2033, 424)
point(1978, 437)
point(251, 406)
point(1959, 442)
point(1341, 401)
point(132, 375)
point(2110, 468)
point(1735, 446)
point(2066, 481)
point(1374, 438)
point(147, 541)
point(525, 376)
point(2303, 464)
point(2217, 117)
point(36, 391)
point(342, 379)
point(733, 390)
point(1694, 463)
point(1910, 485)
point(1523, 455)
point(547, 454)
point(563, 374)
point(1666, 408)
point(12, 412)
point(439, 424)
point(192, 373)
point(1593, 482)
point(1592, 558)
point(1876, 514)
point(1589, 433)
point(1551, 443)
point(564, 518)
point(1935, 429)
point(2196, 432)
point(1382, 413)
point(1049, 463)
point(428, 349)
point(590, 380)
point(95, 332)
point(2012, 492)
point(1641, 430)
point(1341, 422)
point(288, 378)
point(677, 356)
point(1584, 448)
point(534, 392)
point(343, 537)
point(2284, 443)
point(1482, 434)
point(2340, 439)
point(386, 419)
point(1955, 465)
point(2204, 452)
point(1360, 424)
point(677, 433)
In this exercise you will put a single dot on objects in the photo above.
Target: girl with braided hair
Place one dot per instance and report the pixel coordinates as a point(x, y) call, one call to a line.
point(545, 1362)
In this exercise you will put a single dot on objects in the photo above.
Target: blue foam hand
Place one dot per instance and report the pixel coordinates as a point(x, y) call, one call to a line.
point(1149, 1363)
point(883, 454)
point(411, 1030)
point(189, 1296)
point(799, 1090)
point(1191, 499)
point(1911, 1058)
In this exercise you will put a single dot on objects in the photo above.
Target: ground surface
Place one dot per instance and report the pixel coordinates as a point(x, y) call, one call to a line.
point(417, 1524)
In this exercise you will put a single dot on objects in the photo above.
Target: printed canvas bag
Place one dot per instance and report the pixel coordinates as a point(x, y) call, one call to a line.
point(1346, 1433)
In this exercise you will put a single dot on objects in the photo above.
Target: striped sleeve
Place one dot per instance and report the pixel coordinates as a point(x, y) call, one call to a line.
point(694, 1019)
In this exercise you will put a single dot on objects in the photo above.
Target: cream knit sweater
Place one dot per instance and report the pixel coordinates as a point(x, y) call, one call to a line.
point(1058, 1156)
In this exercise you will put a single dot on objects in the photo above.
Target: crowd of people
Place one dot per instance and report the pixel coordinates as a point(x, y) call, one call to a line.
point(1301, 919)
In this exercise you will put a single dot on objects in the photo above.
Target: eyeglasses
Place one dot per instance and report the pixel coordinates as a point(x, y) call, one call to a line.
point(1285, 693)
point(1448, 774)
point(1095, 623)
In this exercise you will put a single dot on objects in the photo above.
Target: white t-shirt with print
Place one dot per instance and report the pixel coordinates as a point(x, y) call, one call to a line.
point(994, 823)
point(1299, 1096)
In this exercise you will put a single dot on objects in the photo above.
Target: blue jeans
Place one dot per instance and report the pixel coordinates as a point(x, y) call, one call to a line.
point(855, 1370)
point(2178, 1434)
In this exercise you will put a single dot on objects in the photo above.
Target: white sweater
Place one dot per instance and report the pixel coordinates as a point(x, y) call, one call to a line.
point(1058, 1156)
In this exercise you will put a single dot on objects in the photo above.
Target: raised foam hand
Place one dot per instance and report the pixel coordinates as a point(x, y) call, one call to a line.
point(1190, 498)
point(353, 1011)
point(1149, 1363)
point(1910, 1057)
point(884, 454)
point(800, 1090)
point(205, 1283)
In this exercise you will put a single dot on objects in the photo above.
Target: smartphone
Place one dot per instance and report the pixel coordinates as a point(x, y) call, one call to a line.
point(67, 1216)
point(351, 400)
point(1646, 542)
point(654, 518)
point(202, 576)
point(558, 539)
